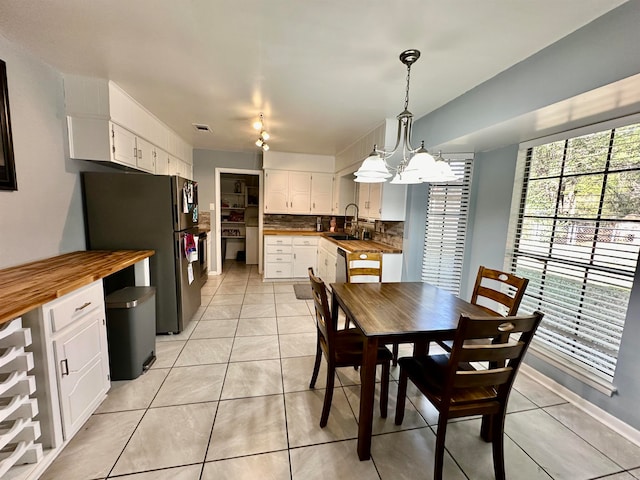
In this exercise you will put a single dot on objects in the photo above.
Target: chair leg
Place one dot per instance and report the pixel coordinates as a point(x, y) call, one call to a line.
point(498, 445)
point(395, 350)
point(328, 394)
point(384, 390)
point(439, 454)
point(402, 397)
point(316, 365)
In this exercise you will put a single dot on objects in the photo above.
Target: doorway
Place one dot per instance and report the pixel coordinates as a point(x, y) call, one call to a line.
point(238, 218)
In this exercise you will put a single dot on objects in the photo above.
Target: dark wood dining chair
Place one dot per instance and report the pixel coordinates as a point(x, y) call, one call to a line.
point(366, 267)
point(497, 293)
point(457, 389)
point(341, 348)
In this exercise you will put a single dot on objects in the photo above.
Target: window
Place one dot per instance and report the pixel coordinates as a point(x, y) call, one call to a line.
point(446, 228)
point(577, 238)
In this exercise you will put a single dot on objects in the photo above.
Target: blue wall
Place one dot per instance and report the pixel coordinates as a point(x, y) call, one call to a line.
point(598, 54)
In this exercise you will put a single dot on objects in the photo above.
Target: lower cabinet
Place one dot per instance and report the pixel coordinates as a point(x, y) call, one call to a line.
point(82, 367)
point(327, 261)
point(289, 256)
point(71, 360)
point(305, 253)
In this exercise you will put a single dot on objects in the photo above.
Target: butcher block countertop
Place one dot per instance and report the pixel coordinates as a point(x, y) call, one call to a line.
point(348, 245)
point(28, 286)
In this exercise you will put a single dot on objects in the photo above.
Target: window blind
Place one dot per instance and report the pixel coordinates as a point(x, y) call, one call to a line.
point(446, 228)
point(577, 239)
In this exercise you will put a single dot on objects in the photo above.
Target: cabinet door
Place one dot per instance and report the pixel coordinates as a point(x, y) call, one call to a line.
point(174, 166)
point(303, 258)
point(82, 366)
point(276, 191)
point(375, 200)
point(321, 193)
point(123, 146)
point(145, 154)
point(162, 162)
point(299, 192)
point(363, 199)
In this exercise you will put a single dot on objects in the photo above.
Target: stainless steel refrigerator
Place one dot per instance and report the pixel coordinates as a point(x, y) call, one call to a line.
point(158, 212)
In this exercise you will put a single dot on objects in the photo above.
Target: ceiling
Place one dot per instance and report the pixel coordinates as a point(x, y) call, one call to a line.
point(324, 73)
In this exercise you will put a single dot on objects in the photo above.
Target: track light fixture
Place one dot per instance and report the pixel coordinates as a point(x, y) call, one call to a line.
point(264, 136)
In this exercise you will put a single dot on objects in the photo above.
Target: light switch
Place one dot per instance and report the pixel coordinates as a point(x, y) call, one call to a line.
point(212, 206)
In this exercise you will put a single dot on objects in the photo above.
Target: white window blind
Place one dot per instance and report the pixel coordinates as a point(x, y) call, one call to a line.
point(446, 228)
point(577, 238)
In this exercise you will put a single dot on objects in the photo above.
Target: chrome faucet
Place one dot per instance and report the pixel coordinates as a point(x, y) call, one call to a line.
point(354, 231)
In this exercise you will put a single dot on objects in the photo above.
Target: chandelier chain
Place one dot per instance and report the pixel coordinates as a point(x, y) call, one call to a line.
point(406, 95)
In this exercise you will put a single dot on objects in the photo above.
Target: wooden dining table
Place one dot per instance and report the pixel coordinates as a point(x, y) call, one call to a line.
point(406, 312)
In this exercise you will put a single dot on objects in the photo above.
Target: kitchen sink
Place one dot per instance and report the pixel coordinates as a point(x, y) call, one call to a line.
point(342, 237)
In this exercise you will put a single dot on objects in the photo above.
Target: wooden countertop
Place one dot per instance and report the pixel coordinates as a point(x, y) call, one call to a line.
point(348, 245)
point(28, 286)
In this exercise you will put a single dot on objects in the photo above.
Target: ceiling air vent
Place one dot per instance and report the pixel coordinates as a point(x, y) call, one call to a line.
point(201, 127)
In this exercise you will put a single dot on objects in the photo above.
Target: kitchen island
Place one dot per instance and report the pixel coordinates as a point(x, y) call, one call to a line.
point(54, 365)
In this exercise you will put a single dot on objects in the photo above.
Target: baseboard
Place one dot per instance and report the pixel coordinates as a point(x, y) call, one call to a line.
point(614, 423)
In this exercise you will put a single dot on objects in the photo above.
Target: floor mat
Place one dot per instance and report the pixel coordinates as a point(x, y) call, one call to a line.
point(303, 291)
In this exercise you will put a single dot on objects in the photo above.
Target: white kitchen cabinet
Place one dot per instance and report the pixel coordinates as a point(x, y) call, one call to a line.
point(82, 367)
point(123, 146)
point(327, 261)
point(289, 256)
point(301, 193)
point(287, 192)
point(71, 360)
point(322, 193)
point(145, 155)
point(162, 162)
point(278, 257)
point(391, 267)
point(305, 255)
point(382, 201)
point(93, 105)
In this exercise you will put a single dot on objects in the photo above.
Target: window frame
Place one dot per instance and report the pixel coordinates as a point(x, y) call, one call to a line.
point(566, 363)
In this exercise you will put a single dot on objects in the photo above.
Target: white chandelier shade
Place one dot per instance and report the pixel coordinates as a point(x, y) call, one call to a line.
point(417, 164)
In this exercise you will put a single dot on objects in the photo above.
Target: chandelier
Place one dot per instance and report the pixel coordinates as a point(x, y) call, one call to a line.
point(417, 164)
point(264, 136)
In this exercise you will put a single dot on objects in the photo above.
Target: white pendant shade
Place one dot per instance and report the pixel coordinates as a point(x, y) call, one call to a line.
point(373, 167)
point(365, 179)
point(422, 163)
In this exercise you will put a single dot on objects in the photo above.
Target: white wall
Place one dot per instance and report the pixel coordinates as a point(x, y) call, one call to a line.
point(44, 216)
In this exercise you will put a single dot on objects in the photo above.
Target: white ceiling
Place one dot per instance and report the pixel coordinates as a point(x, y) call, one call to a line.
point(324, 72)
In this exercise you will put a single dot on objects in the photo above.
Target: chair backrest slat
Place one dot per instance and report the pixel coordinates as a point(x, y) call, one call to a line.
point(502, 354)
point(490, 353)
point(499, 293)
point(482, 378)
point(364, 264)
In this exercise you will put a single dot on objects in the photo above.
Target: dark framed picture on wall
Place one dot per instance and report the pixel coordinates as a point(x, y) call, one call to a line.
point(7, 165)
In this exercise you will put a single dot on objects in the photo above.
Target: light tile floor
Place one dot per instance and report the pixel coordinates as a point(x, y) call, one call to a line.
point(228, 398)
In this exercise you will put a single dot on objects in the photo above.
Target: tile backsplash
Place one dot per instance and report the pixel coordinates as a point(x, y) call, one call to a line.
point(390, 233)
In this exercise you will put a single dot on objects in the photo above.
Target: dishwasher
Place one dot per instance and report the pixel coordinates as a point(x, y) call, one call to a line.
point(341, 266)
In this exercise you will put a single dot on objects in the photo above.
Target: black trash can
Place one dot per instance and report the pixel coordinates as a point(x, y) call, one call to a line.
point(131, 331)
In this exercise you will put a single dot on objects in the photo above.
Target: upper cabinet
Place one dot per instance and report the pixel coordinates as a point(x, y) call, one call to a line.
point(302, 193)
point(382, 201)
point(322, 193)
point(298, 183)
point(105, 124)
